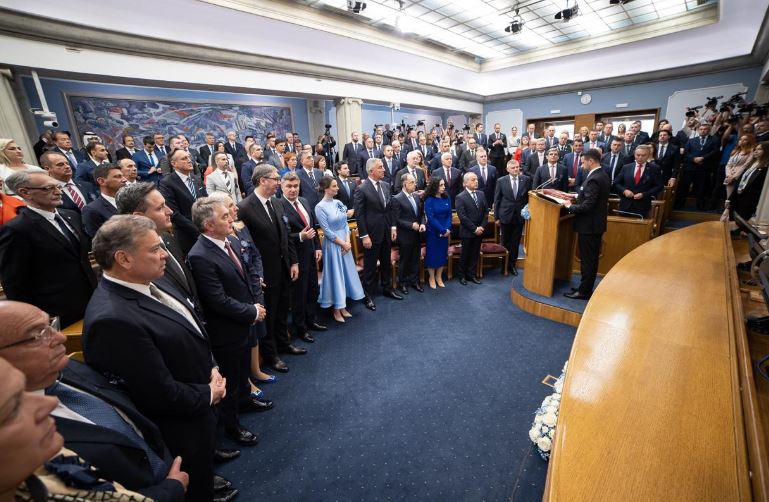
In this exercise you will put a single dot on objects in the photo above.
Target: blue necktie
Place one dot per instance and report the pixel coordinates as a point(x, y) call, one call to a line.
point(104, 415)
point(413, 204)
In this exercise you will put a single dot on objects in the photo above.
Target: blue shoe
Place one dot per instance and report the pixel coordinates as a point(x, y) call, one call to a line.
point(272, 379)
point(257, 394)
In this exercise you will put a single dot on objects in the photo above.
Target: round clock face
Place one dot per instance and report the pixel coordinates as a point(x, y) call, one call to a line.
point(586, 99)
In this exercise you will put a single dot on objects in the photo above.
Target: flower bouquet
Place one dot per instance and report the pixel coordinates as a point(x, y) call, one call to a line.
point(546, 418)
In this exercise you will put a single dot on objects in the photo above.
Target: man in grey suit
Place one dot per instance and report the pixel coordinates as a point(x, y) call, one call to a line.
point(510, 196)
point(223, 179)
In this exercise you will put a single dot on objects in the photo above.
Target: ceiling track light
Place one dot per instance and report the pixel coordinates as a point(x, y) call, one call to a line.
point(568, 13)
point(619, 2)
point(355, 7)
point(516, 25)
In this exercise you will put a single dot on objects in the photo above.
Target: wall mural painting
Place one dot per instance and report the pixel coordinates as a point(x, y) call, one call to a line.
point(110, 117)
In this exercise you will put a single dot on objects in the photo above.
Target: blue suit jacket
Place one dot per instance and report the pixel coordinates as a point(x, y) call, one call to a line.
point(88, 190)
point(246, 171)
point(307, 188)
point(649, 185)
point(490, 184)
point(143, 165)
point(95, 214)
point(85, 171)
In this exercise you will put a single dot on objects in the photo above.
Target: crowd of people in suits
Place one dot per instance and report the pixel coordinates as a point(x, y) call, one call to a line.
point(214, 262)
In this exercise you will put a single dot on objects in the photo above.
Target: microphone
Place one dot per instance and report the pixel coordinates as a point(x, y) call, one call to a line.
point(545, 183)
point(640, 216)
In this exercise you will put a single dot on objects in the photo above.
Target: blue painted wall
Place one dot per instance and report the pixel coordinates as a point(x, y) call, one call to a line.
point(637, 96)
point(55, 90)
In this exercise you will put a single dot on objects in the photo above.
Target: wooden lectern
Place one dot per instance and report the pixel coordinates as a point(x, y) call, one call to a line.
point(549, 245)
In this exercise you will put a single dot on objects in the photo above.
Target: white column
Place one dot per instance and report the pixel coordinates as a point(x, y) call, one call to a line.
point(316, 114)
point(762, 211)
point(348, 119)
point(11, 118)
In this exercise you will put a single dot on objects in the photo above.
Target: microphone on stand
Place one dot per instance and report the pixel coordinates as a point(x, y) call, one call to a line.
point(545, 183)
point(638, 215)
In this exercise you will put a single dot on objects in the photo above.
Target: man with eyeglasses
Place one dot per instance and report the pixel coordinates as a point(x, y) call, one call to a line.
point(44, 251)
point(77, 193)
point(119, 444)
point(181, 189)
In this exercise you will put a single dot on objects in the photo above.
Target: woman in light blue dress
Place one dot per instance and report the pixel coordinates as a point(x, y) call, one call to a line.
point(340, 278)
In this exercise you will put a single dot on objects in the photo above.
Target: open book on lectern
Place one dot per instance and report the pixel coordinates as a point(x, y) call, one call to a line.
point(556, 196)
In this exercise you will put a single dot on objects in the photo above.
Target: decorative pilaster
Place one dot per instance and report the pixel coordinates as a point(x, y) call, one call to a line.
point(348, 119)
point(11, 118)
point(316, 114)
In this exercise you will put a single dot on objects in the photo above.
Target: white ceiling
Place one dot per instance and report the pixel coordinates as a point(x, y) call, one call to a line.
point(477, 27)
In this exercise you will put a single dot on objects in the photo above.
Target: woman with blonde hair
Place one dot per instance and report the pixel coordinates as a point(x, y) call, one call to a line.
point(738, 161)
point(12, 159)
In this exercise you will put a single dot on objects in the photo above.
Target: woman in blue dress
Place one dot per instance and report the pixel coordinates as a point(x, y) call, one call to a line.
point(340, 277)
point(438, 213)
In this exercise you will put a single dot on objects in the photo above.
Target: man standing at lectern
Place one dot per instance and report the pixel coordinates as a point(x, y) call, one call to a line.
point(591, 212)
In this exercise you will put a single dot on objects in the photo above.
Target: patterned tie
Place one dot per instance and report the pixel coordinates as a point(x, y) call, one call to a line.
point(312, 178)
point(74, 195)
point(475, 198)
point(448, 177)
point(483, 173)
point(662, 152)
point(72, 159)
point(104, 415)
point(172, 304)
point(227, 182)
point(191, 187)
point(234, 259)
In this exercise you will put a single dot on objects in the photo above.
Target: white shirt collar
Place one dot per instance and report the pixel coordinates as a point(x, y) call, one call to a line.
point(109, 199)
point(182, 176)
point(219, 244)
point(261, 199)
point(139, 288)
point(48, 215)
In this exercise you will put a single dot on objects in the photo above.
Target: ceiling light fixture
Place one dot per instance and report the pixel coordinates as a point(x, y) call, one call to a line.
point(355, 7)
point(616, 2)
point(516, 25)
point(399, 17)
point(568, 12)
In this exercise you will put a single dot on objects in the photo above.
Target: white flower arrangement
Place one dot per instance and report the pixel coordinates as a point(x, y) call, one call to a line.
point(546, 418)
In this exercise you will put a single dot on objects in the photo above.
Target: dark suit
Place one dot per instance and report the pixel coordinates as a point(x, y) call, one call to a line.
point(497, 153)
point(350, 155)
point(239, 154)
point(409, 240)
point(612, 170)
point(164, 364)
point(471, 216)
point(507, 210)
point(304, 291)
point(698, 174)
point(124, 153)
point(598, 144)
point(563, 150)
point(95, 214)
point(374, 219)
point(543, 174)
point(246, 172)
point(79, 157)
point(408, 145)
point(628, 150)
point(309, 189)
point(180, 200)
point(39, 265)
point(118, 457)
point(85, 171)
point(160, 151)
point(550, 142)
point(179, 277)
point(435, 163)
point(669, 161)
point(228, 303)
point(346, 191)
point(363, 157)
point(606, 139)
point(89, 191)
point(454, 187)
point(591, 209)
point(418, 174)
point(481, 139)
point(487, 185)
point(205, 152)
point(532, 164)
point(278, 255)
point(525, 154)
point(649, 185)
point(391, 169)
point(467, 160)
point(641, 138)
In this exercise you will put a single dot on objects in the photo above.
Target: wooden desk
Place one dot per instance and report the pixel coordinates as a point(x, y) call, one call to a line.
point(659, 399)
point(74, 334)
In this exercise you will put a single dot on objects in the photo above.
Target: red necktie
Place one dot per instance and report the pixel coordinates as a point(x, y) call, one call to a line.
point(75, 197)
point(233, 258)
point(301, 215)
point(637, 173)
point(448, 178)
point(576, 164)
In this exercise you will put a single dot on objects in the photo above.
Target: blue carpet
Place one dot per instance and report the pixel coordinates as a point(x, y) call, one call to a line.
point(430, 398)
point(559, 288)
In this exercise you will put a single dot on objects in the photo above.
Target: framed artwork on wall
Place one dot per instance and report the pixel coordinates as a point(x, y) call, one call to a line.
point(110, 116)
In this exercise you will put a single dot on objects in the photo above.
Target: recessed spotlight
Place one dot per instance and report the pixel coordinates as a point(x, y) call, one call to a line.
point(355, 7)
point(568, 12)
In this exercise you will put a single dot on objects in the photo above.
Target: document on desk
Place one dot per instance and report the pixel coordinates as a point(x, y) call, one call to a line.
point(557, 196)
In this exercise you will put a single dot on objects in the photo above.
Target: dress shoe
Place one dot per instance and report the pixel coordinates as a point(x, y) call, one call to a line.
point(293, 350)
point(514, 271)
point(440, 284)
point(255, 404)
point(345, 313)
point(576, 295)
point(475, 280)
point(318, 327)
point(403, 289)
point(225, 455)
point(462, 281)
point(392, 294)
point(271, 379)
point(226, 495)
point(221, 484)
point(431, 282)
point(307, 337)
point(279, 365)
point(242, 436)
point(369, 303)
point(338, 317)
point(418, 287)
point(574, 289)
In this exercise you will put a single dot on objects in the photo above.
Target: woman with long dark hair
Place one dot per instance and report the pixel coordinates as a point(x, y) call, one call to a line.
point(438, 213)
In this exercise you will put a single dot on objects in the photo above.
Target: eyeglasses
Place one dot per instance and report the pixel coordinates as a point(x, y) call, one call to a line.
point(46, 189)
point(273, 178)
point(41, 338)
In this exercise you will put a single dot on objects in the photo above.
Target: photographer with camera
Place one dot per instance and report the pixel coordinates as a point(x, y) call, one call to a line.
point(328, 143)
